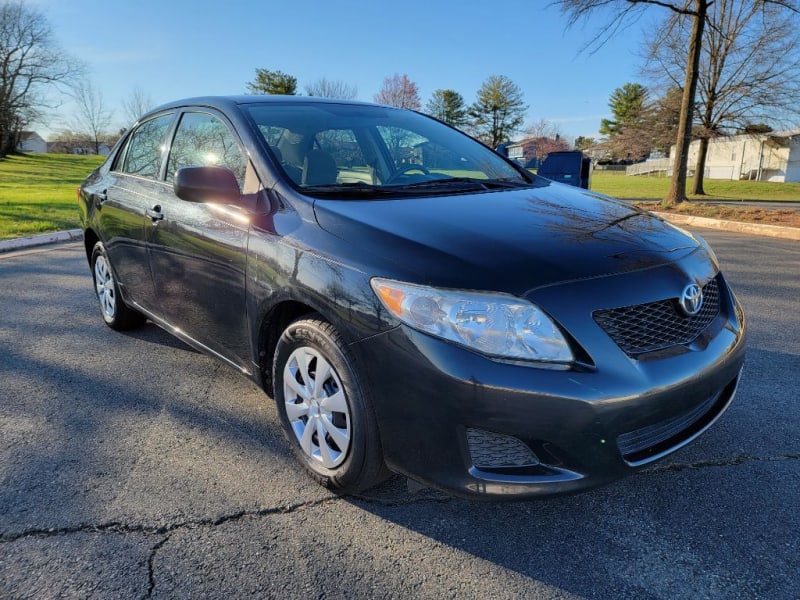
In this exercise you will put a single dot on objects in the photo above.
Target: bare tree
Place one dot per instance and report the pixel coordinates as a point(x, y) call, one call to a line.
point(30, 60)
point(749, 72)
point(542, 138)
point(332, 88)
point(399, 91)
point(631, 144)
point(693, 14)
point(136, 104)
point(91, 118)
point(662, 118)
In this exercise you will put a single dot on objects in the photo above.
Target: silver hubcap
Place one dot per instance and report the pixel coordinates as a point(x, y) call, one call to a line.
point(104, 284)
point(316, 407)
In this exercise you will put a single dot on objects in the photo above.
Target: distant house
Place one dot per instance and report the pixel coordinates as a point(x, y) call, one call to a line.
point(531, 151)
point(77, 147)
point(762, 157)
point(30, 141)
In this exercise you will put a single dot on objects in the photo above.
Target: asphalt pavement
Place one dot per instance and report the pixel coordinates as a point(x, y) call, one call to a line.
point(132, 466)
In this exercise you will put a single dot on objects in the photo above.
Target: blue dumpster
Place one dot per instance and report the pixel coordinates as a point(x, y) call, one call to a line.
point(570, 167)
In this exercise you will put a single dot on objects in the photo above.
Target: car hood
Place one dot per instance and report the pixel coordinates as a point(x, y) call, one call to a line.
point(511, 240)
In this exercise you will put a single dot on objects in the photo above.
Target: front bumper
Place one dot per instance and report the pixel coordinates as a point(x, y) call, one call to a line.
point(439, 405)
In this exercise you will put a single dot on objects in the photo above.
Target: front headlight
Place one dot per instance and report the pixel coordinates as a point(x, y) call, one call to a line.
point(493, 324)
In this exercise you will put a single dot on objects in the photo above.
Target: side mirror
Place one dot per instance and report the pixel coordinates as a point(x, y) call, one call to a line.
point(207, 184)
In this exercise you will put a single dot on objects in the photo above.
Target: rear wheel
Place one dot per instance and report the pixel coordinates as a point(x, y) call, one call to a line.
point(116, 313)
point(326, 413)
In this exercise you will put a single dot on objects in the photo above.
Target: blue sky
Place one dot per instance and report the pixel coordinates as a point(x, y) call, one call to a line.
point(179, 48)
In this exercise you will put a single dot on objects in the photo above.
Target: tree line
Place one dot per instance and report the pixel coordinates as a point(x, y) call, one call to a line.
point(496, 115)
point(712, 68)
point(722, 65)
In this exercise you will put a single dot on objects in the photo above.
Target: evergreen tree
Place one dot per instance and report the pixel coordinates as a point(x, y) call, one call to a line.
point(273, 82)
point(627, 106)
point(499, 110)
point(448, 106)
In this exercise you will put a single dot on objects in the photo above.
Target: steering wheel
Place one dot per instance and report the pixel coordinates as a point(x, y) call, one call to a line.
point(406, 169)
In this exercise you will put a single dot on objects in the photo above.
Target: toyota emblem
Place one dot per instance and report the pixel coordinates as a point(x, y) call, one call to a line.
point(691, 299)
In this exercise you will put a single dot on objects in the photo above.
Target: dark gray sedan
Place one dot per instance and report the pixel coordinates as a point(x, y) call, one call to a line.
point(413, 301)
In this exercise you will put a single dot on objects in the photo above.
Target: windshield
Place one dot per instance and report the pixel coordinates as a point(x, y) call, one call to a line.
point(327, 148)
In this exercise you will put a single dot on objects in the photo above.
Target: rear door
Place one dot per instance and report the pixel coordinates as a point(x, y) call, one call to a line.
point(133, 187)
point(198, 250)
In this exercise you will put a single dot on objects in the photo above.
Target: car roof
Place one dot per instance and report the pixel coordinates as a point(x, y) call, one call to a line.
point(227, 102)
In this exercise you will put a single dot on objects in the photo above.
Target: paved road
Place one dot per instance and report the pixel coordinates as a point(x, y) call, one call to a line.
point(133, 467)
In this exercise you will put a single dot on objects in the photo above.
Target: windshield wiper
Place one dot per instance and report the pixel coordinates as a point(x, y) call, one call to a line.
point(459, 183)
point(343, 189)
point(431, 186)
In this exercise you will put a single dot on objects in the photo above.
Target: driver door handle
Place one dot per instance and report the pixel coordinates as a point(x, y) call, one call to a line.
point(155, 213)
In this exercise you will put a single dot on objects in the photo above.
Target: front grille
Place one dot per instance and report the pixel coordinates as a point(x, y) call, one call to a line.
point(658, 325)
point(654, 441)
point(490, 450)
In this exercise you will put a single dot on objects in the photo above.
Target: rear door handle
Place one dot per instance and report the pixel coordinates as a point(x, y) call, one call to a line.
point(155, 213)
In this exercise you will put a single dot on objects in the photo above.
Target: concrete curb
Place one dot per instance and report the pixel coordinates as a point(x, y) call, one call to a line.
point(776, 231)
point(40, 240)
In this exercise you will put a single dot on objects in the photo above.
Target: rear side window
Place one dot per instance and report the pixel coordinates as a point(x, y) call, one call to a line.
point(203, 140)
point(145, 147)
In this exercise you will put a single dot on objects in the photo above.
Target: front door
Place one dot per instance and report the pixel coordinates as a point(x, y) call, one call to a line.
point(198, 251)
point(133, 183)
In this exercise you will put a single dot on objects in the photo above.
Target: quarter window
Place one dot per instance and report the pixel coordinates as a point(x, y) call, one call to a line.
point(203, 140)
point(146, 146)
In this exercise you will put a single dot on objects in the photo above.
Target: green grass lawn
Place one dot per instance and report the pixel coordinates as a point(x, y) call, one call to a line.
point(37, 192)
point(615, 183)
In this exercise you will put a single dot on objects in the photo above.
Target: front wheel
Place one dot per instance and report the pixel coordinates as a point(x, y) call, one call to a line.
point(116, 313)
point(325, 412)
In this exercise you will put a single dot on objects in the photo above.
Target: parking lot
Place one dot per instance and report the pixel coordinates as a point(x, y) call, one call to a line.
point(133, 467)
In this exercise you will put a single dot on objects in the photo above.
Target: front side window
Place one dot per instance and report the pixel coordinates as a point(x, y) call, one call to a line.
point(146, 146)
point(203, 140)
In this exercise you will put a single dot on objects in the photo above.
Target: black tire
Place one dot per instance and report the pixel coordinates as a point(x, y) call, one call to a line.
point(115, 312)
point(347, 470)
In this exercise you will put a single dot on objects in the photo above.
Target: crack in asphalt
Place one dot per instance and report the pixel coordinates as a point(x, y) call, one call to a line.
point(121, 528)
point(420, 497)
point(168, 530)
point(151, 579)
point(115, 527)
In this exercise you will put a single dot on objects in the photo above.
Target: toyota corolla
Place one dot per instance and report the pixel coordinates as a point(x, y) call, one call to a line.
point(413, 302)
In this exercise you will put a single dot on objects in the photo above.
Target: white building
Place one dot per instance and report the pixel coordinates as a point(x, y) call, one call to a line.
point(30, 141)
point(762, 157)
